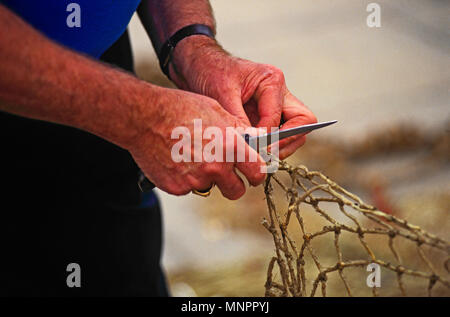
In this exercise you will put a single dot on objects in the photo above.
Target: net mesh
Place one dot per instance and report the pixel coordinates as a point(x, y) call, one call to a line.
point(412, 260)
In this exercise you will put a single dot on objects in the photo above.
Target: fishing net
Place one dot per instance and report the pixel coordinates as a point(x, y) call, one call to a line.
point(325, 238)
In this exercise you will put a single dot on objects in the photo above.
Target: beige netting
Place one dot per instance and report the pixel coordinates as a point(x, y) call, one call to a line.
point(325, 237)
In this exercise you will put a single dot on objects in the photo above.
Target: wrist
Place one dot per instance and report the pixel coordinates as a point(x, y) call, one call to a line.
point(191, 60)
point(144, 112)
point(130, 111)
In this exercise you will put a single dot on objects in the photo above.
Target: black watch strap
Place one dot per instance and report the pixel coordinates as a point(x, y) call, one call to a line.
point(165, 53)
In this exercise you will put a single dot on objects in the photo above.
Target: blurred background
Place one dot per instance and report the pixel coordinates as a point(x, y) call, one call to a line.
point(389, 89)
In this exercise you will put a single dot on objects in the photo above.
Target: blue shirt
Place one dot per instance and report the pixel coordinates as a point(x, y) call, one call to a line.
point(102, 21)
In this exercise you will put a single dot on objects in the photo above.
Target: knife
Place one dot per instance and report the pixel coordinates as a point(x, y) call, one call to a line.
point(254, 141)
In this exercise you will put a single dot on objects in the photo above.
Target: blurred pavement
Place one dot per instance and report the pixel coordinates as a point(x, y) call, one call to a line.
point(363, 77)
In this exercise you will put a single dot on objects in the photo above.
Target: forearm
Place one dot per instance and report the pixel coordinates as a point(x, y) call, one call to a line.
point(42, 80)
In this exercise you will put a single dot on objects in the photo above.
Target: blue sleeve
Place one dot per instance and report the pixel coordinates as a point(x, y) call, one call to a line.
point(102, 22)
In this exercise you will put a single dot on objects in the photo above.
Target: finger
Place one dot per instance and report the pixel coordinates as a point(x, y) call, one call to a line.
point(174, 186)
point(230, 185)
point(291, 147)
point(250, 163)
point(295, 114)
point(269, 108)
point(251, 110)
point(270, 98)
point(222, 175)
point(288, 125)
point(200, 183)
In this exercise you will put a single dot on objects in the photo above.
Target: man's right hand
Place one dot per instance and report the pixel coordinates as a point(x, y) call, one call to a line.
point(152, 148)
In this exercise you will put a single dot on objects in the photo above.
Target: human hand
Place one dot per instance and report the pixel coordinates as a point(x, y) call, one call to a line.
point(152, 150)
point(254, 93)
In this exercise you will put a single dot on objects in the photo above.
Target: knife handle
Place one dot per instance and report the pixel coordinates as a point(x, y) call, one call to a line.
point(145, 185)
point(247, 138)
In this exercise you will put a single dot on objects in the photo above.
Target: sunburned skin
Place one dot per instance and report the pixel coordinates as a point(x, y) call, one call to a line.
point(153, 151)
point(54, 84)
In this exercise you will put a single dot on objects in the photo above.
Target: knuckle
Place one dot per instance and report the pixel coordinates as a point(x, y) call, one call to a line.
point(214, 103)
point(199, 183)
point(312, 117)
point(257, 178)
point(275, 73)
point(212, 169)
point(208, 101)
point(179, 190)
point(237, 196)
point(237, 191)
point(251, 171)
point(260, 178)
